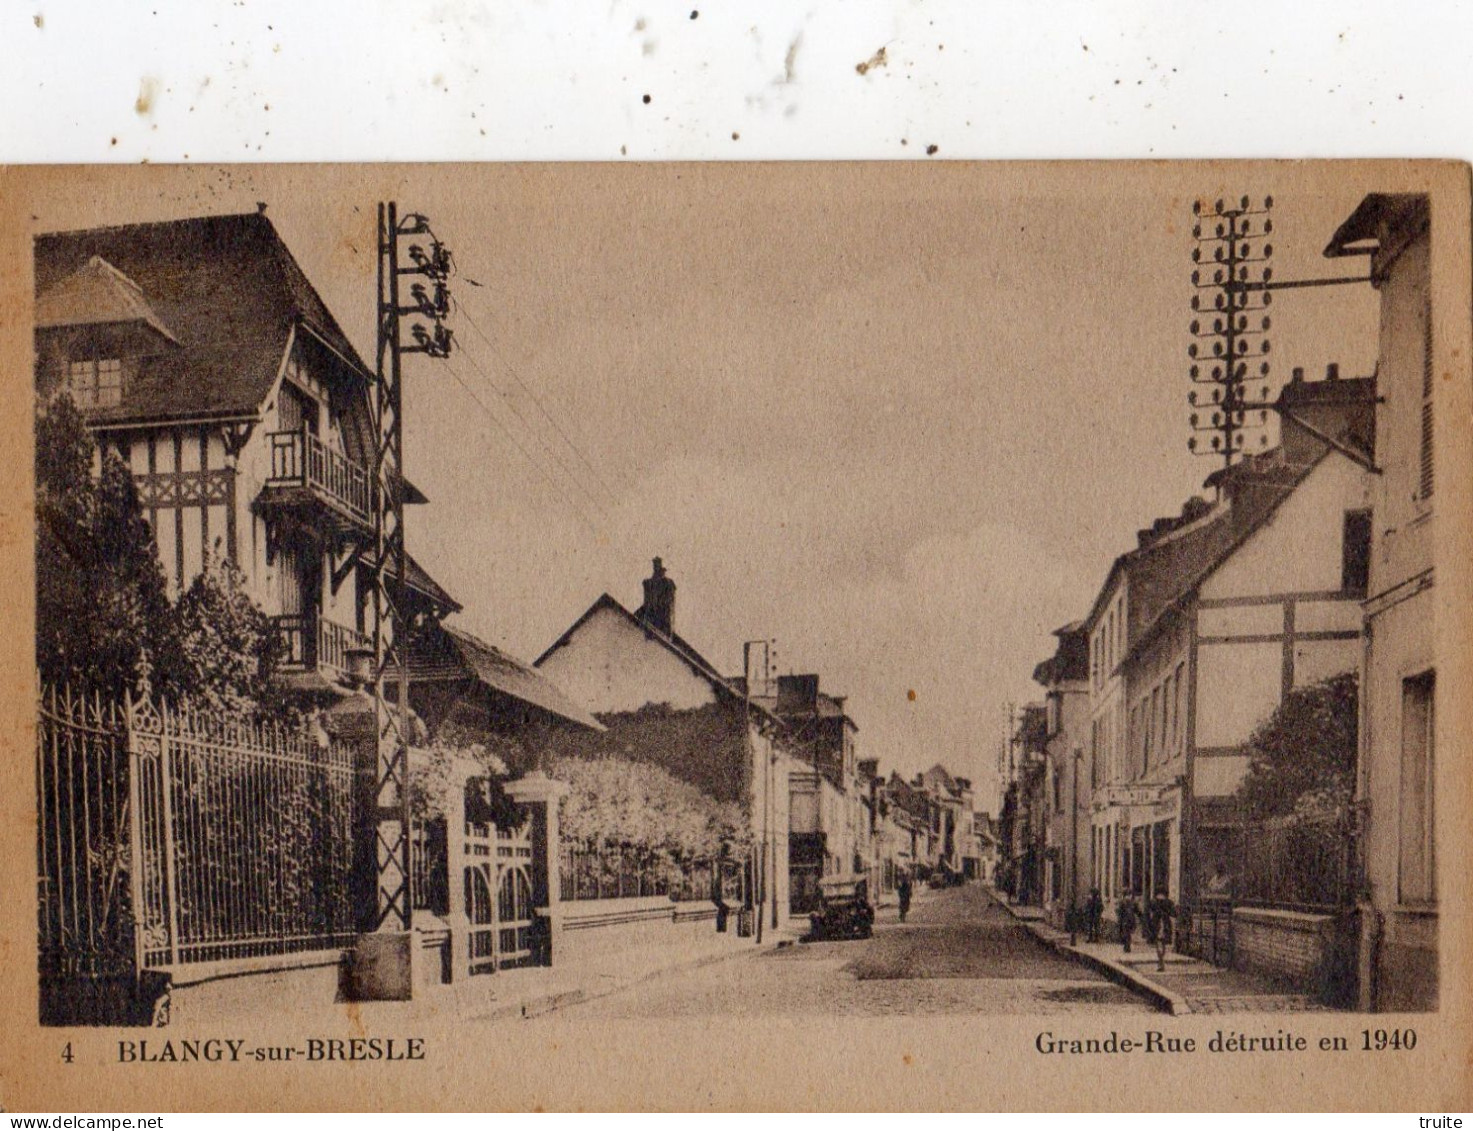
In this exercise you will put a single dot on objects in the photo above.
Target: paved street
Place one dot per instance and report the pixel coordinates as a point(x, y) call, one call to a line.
point(957, 953)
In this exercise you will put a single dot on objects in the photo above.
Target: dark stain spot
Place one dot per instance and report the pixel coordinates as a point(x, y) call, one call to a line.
point(904, 141)
point(876, 60)
point(735, 136)
point(695, 15)
point(646, 100)
point(906, 1059)
point(931, 150)
point(911, 695)
point(115, 141)
point(39, 20)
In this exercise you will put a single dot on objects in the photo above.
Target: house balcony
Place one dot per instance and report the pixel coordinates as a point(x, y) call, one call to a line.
point(313, 643)
point(306, 473)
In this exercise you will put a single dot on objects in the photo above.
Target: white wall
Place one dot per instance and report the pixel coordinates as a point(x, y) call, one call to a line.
point(610, 665)
point(1298, 549)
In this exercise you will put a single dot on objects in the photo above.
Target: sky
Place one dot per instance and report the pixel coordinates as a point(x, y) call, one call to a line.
point(899, 417)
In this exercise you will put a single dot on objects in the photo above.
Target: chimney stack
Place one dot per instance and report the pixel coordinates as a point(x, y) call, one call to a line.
point(659, 600)
point(1332, 371)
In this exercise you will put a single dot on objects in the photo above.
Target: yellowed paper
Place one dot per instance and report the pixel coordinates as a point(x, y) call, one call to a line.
point(893, 425)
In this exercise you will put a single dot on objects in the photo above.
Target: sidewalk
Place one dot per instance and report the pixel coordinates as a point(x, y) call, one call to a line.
point(1187, 985)
point(304, 995)
point(533, 991)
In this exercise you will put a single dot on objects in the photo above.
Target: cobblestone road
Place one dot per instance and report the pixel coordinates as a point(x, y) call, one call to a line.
point(957, 953)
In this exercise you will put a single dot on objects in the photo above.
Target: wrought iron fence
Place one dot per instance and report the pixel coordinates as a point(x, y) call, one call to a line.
point(245, 837)
point(83, 856)
point(1297, 862)
point(168, 836)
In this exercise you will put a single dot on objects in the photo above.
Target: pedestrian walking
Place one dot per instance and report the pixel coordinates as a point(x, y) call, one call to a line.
point(1160, 914)
point(1094, 911)
point(902, 889)
point(1129, 916)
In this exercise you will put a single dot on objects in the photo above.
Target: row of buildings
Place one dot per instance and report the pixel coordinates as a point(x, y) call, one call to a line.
point(200, 354)
point(1312, 559)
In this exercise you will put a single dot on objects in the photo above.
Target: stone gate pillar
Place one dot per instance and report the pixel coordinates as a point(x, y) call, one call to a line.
point(457, 918)
point(539, 795)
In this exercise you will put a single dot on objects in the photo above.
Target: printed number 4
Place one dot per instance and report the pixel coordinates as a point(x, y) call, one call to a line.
point(66, 1053)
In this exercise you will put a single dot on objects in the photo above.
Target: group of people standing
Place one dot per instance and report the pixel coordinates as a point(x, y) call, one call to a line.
point(1156, 922)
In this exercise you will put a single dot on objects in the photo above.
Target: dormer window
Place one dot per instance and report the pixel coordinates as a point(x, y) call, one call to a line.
point(96, 382)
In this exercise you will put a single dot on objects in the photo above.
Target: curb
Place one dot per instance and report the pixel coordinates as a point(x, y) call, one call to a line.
point(1160, 997)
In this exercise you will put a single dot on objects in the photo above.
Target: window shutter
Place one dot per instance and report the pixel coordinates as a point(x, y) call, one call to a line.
point(1425, 483)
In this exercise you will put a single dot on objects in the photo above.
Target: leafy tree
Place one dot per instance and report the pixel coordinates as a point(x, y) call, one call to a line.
point(1302, 757)
point(101, 597)
point(100, 594)
point(230, 647)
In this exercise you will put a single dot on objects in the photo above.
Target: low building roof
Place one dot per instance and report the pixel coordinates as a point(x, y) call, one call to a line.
point(449, 654)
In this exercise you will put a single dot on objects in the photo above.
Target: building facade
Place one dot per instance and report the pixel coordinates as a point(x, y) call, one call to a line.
point(199, 353)
point(1202, 630)
point(661, 701)
point(1067, 864)
point(828, 815)
point(1396, 794)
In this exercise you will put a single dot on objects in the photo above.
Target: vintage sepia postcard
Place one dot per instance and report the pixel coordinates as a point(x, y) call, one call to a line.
point(836, 636)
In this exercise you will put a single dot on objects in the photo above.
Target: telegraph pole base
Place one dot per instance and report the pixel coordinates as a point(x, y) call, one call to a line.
point(381, 966)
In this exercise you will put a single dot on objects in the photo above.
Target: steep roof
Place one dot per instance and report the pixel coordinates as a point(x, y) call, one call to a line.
point(1376, 215)
point(422, 583)
point(670, 641)
point(224, 289)
point(1070, 660)
point(97, 294)
point(511, 676)
point(941, 776)
point(1260, 485)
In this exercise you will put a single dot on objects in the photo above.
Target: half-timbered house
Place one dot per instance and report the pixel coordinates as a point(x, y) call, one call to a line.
point(200, 353)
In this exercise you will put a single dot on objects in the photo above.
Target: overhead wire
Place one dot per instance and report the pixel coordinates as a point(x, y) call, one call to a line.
point(546, 447)
point(542, 408)
point(532, 394)
point(510, 434)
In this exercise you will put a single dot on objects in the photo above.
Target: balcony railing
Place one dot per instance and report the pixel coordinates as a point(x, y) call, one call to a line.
point(309, 642)
point(300, 459)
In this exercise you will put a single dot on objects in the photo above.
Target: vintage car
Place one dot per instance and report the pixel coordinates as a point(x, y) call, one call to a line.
point(844, 910)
